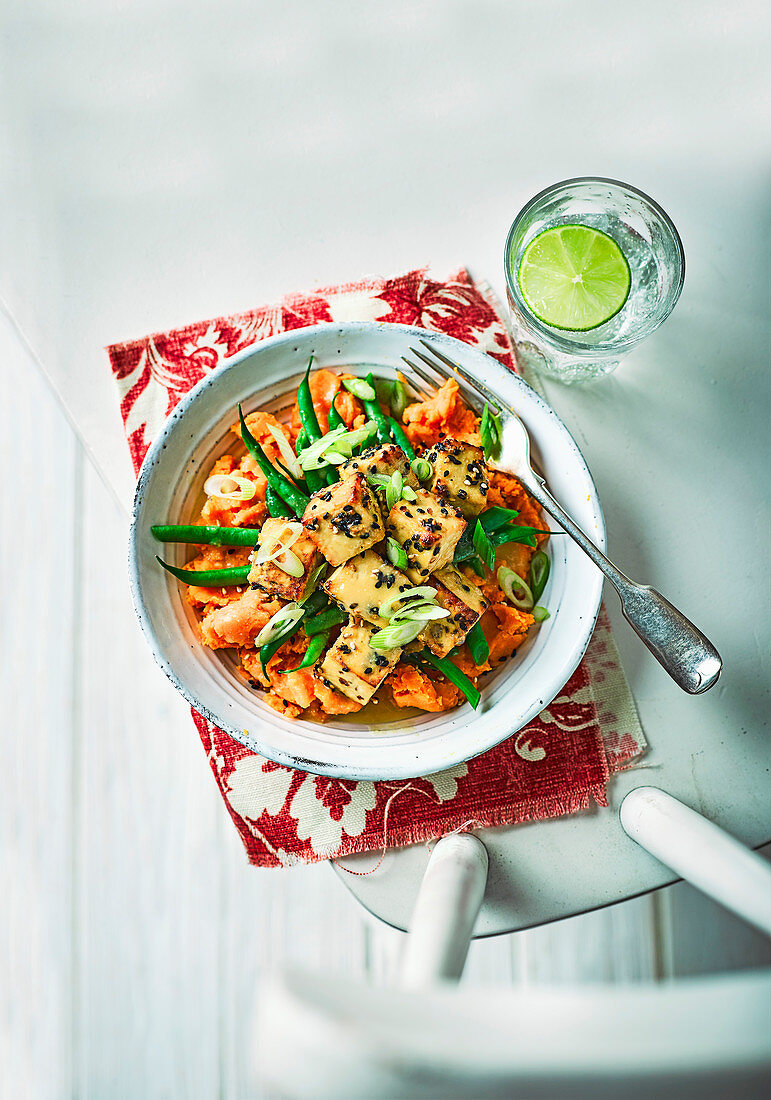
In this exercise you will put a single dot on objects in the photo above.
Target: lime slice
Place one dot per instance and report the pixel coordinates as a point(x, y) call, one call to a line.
point(574, 277)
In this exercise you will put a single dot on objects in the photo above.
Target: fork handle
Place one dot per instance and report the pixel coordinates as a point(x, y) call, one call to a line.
point(680, 647)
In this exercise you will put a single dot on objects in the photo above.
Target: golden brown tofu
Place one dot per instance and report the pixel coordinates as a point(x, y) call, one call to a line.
point(466, 605)
point(270, 577)
point(344, 519)
point(459, 474)
point(428, 529)
point(352, 667)
point(383, 460)
point(362, 584)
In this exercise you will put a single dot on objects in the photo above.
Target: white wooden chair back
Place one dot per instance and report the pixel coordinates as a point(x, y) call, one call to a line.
point(322, 1039)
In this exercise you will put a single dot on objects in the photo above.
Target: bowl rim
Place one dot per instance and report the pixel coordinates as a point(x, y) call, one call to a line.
point(388, 771)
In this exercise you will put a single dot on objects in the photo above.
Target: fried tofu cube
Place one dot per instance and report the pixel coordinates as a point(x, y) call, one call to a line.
point(459, 474)
point(428, 529)
point(383, 460)
point(362, 584)
point(466, 605)
point(344, 519)
point(353, 667)
point(270, 577)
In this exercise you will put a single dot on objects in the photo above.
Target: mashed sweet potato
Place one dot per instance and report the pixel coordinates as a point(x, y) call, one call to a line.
point(232, 617)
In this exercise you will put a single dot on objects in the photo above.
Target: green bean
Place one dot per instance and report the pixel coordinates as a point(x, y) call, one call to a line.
point(539, 574)
point(302, 441)
point(324, 620)
point(317, 601)
point(317, 645)
point(335, 420)
point(450, 671)
point(209, 578)
point(271, 648)
point(477, 644)
point(374, 412)
point(494, 518)
point(483, 545)
point(312, 605)
point(296, 499)
point(206, 536)
point(400, 438)
point(512, 532)
point(308, 417)
point(316, 479)
point(277, 506)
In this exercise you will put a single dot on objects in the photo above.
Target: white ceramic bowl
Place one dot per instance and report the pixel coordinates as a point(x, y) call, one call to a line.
point(170, 484)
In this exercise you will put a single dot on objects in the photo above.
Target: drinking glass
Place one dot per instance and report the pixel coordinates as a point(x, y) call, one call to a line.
point(653, 250)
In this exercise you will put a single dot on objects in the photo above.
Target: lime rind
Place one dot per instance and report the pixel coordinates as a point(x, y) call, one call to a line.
point(574, 277)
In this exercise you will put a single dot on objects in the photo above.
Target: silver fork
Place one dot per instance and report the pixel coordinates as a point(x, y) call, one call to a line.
point(680, 648)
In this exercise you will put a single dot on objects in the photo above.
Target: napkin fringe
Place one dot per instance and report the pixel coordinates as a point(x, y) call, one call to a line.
point(424, 832)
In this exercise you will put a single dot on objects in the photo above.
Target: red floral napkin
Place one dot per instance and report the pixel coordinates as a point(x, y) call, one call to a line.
point(556, 765)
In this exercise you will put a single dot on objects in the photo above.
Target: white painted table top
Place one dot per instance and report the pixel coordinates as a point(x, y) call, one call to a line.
point(167, 162)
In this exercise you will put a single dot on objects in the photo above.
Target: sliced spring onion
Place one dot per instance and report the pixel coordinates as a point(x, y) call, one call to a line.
point(288, 455)
point(512, 583)
point(539, 574)
point(379, 481)
point(464, 548)
point(478, 566)
point(513, 532)
point(395, 635)
point(279, 624)
point(490, 433)
point(360, 388)
point(483, 546)
point(494, 518)
point(398, 399)
point(421, 469)
point(419, 612)
point(477, 644)
point(229, 487)
point(422, 592)
point(335, 458)
point(271, 546)
point(312, 582)
point(409, 493)
point(540, 613)
point(394, 489)
point(338, 442)
point(395, 553)
point(311, 457)
point(288, 562)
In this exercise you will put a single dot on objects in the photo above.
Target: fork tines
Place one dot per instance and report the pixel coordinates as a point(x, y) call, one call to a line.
point(475, 392)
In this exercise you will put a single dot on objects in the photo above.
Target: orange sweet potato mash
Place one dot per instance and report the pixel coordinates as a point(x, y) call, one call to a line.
point(231, 617)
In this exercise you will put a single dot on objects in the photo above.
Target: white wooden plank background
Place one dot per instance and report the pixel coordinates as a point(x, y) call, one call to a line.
point(135, 937)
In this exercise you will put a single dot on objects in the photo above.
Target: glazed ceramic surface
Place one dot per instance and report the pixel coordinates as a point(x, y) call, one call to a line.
point(397, 746)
